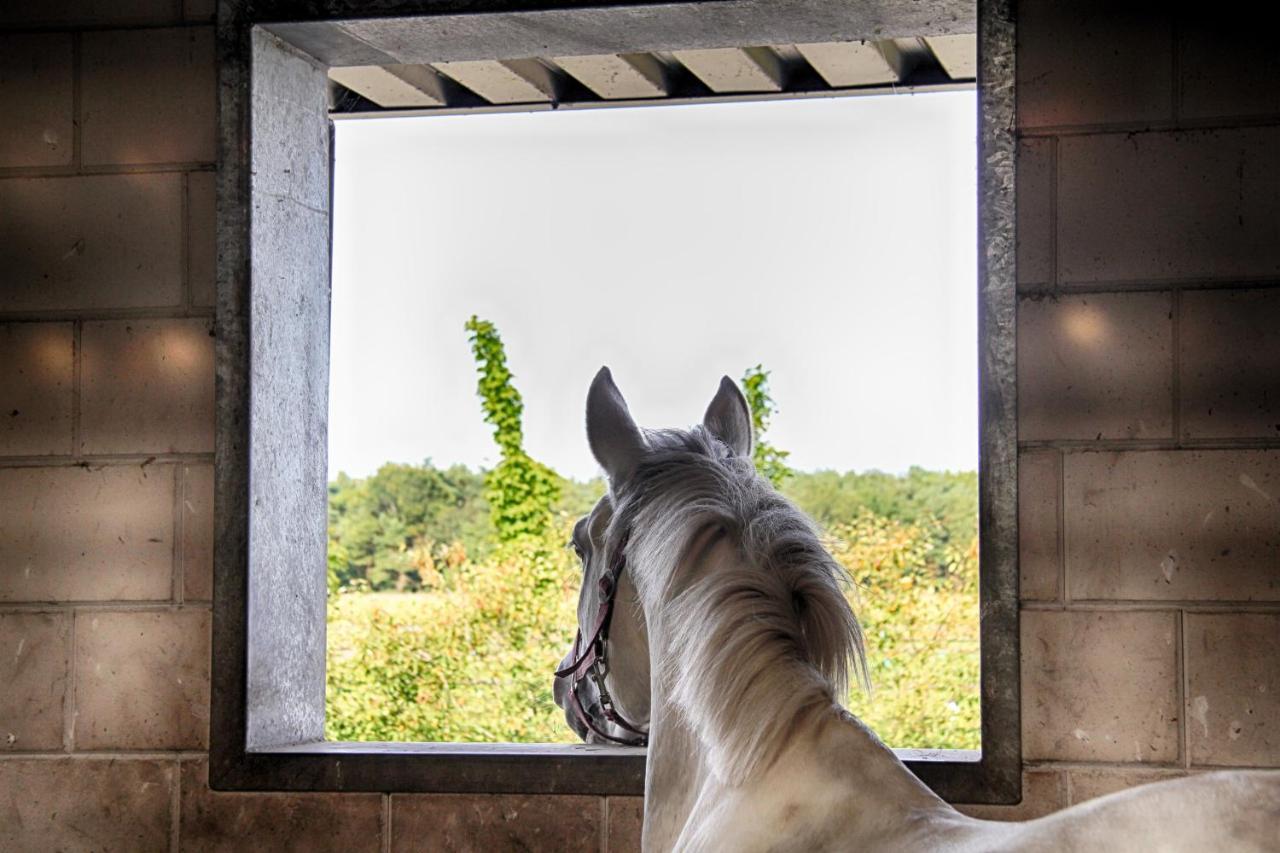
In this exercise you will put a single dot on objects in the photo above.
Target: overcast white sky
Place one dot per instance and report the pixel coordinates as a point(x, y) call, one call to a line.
point(833, 240)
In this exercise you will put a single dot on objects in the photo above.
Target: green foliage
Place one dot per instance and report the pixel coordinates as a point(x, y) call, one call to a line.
point(944, 502)
point(471, 661)
point(521, 491)
point(395, 529)
point(469, 658)
point(920, 620)
point(770, 461)
point(577, 499)
point(383, 528)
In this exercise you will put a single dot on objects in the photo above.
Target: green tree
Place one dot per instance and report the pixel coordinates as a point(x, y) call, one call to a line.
point(943, 505)
point(521, 491)
point(770, 461)
point(378, 525)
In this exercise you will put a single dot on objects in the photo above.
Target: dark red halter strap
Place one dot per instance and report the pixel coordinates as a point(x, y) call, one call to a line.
point(590, 660)
point(604, 615)
point(583, 661)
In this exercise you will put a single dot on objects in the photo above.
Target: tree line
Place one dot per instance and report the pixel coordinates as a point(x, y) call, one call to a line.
point(402, 527)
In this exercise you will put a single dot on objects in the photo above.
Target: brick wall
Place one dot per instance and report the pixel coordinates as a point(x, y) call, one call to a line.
point(1150, 419)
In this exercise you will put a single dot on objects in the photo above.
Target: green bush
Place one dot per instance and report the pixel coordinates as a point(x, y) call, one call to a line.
point(380, 526)
point(920, 621)
point(470, 658)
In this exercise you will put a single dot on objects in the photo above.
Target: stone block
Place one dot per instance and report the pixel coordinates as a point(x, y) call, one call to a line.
point(1186, 205)
point(99, 241)
point(148, 96)
point(202, 234)
point(1035, 212)
point(36, 99)
point(147, 387)
point(36, 370)
point(456, 823)
point(1228, 65)
point(1233, 689)
point(313, 822)
point(1093, 62)
point(86, 534)
point(626, 819)
point(1089, 783)
point(1039, 478)
point(35, 660)
point(1095, 367)
point(142, 680)
point(1173, 525)
point(1229, 364)
point(1099, 686)
point(85, 805)
point(197, 533)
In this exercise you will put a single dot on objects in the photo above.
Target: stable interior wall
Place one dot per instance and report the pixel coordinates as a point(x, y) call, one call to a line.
point(1149, 415)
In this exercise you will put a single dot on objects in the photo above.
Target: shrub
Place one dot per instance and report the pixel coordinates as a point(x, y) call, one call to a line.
point(920, 620)
point(471, 659)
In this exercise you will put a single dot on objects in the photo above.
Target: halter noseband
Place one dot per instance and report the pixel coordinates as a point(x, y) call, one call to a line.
point(592, 662)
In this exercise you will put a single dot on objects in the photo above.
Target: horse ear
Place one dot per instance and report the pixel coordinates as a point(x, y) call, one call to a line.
point(616, 442)
point(728, 418)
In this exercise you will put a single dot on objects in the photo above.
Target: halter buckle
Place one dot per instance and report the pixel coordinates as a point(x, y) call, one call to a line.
point(599, 666)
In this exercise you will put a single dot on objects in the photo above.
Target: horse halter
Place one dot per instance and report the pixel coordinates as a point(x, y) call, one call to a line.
point(593, 663)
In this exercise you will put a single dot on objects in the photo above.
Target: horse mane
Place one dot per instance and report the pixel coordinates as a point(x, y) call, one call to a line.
point(756, 653)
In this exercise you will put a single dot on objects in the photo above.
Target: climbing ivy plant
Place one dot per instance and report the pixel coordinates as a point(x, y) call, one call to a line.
point(520, 490)
point(770, 461)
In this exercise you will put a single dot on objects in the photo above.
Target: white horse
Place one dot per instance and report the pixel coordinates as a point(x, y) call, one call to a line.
point(729, 649)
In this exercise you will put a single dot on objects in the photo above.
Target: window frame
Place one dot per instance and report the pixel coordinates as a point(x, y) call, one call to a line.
point(273, 232)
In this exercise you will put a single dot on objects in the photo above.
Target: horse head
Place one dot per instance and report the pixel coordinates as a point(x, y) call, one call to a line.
point(602, 684)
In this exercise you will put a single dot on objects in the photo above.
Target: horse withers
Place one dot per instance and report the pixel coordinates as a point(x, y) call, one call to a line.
point(713, 629)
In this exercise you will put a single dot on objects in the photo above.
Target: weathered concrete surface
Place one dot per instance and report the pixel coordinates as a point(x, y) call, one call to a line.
point(515, 81)
point(958, 54)
point(610, 76)
point(998, 405)
point(393, 85)
point(289, 376)
point(729, 69)
point(854, 63)
point(475, 31)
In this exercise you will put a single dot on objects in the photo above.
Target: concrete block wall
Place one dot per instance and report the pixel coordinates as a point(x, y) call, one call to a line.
point(1149, 396)
point(107, 162)
point(1150, 420)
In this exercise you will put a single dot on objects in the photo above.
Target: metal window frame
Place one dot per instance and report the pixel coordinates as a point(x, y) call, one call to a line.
point(274, 221)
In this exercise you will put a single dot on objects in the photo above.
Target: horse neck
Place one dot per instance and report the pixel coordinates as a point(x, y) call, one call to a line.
point(847, 760)
point(675, 773)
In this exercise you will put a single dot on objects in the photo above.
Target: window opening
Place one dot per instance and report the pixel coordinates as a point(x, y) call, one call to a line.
point(819, 251)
